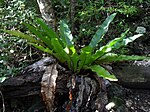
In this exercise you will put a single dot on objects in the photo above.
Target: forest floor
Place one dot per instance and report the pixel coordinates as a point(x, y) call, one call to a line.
point(129, 100)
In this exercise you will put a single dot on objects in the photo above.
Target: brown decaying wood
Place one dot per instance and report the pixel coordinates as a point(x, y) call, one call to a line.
point(48, 86)
point(28, 82)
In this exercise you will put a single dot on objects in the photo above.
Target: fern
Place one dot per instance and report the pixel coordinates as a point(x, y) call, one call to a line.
point(62, 47)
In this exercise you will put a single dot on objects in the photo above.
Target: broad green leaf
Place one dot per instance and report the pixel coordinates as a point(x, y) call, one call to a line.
point(112, 44)
point(38, 34)
point(102, 72)
point(67, 39)
point(22, 35)
point(73, 57)
point(60, 53)
point(125, 41)
point(65, 34)
point(50, 33)
point(97, 55)
point(101, 31)
point(47, 50)
point(111, 57)
point(74, 60)
point(61, 59)
point(85, 51)
point(82, 60)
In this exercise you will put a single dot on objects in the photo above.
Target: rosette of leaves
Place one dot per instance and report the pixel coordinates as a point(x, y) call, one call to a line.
point(61, 46)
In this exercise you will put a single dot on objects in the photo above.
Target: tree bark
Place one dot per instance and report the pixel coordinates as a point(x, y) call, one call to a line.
point(133, 74)
point(30, 83)
point(47, 12)
point(89, 93)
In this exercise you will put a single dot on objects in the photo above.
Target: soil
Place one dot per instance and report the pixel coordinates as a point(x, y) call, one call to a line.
point(129, 100)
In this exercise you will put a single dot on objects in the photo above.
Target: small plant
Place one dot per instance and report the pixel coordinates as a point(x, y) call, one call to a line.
point(61, 46)
point(122, 8)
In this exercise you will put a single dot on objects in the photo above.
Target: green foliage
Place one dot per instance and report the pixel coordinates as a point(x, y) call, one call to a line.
point(1, 3)
point(12, 14)
point(101, 31)
point(111, 57)
point(122, 8)
point(93, 12)
point(88, 14)
point(62, 47)
point(102, 72)
point(131, 1)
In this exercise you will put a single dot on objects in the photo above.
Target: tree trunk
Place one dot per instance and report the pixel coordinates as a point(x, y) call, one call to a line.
point(47, 12)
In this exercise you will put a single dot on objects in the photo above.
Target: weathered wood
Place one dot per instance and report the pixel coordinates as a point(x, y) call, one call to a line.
point(90, 89)
point(133, 74)
point(48, 86)
point(28, 81)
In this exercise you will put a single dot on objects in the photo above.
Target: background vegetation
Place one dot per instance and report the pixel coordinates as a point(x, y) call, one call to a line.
point(14, 52)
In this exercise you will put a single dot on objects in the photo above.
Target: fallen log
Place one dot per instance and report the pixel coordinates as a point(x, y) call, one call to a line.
point(31, 83)
point(28, 82)
point(133, 74)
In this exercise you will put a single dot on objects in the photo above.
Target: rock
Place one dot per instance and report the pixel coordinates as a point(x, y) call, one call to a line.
point(140, 29)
